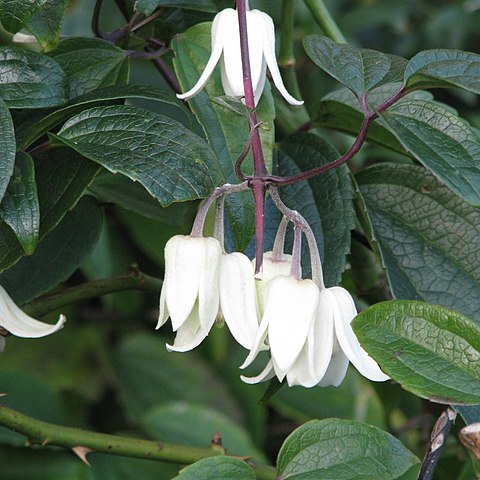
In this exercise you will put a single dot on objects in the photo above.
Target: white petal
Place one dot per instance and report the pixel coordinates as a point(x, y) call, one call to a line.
point(219, 27)
point(269, 52)
point(344, 313)
point(184, 260)
point(231, 62)
point(259, 344)
point(163, 315)
point(261, 83)
point(18, 323)
point(238, 298)
point(290, 310)
point(267, 374)
point(300, 372)
point(321, 338)
point(255, 25)
point(208, 293)
point(337, 369)
point(189, 335)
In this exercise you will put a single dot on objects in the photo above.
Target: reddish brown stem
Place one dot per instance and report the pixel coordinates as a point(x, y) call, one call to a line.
point(259, 168)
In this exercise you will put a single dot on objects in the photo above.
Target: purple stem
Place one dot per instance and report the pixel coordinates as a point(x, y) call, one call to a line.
point(259, 168)
point(368, 119)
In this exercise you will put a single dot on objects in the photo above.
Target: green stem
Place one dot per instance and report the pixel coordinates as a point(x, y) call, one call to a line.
point(325, 20)
point(134, 280)
point(42, 433)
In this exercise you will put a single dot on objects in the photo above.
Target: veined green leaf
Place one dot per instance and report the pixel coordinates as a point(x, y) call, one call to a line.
point(91, 63)
point(171, 162)
point(444, 68)
point(431, 351)
point(30, 79)
point(359, 69)
point(7, 147)
point(19, 207)
point(219, 468)
point(428, 237)
point(441, 141)
point(361, 452)
point(147, 7)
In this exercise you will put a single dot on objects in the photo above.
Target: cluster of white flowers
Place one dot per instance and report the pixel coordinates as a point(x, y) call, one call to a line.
point(306, 327)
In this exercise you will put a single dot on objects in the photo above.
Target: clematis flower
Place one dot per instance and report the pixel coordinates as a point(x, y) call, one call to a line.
point(328, 345)
point(16, 322)
point(238, 298)
point(190, 294)
point(226, 50)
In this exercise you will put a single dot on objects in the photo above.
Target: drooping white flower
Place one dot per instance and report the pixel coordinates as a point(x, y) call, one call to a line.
point(16, 322)
point(289, 312)
point(238, 298)
point(328, 346)
point(190, 293)
point(226, 50)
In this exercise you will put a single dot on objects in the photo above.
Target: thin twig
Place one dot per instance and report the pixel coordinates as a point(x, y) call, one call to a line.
point(437, 443)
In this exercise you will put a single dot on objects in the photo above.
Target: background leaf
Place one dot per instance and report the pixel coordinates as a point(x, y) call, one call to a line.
point(57, 256)
point(14, 14)
point(443, 68)
point(7, 147)
point(30, 79)
point(46, 23)
point(171, 162)
point(441, 141)
point(148, 6)
point(431, 351)
point(331, 225)
point(91, 63)
point(361, 452)
point(429, 238)
point(360, 70)
point(220, 468)
point(19, 207)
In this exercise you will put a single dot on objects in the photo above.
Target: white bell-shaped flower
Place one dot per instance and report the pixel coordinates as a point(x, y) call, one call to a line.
point(290, 309)
point(190, 294)
point(329, 345)
point(16, 322)
point(226, 50)
point(238, 298)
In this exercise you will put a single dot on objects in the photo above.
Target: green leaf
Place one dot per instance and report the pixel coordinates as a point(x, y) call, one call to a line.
point(62, 177)
point(444, 68)
point(7, 147)
point(428, 237)
point(344, 450)
point(441, 141)
point(14, 14)
point(147, 7)
point(57, 256)
point(143, 384)
point(19, 207)
point(45, 25)
point(91, 63)
point(431, 351)
point(219, 468)
point(171, 162)
point(30, 79)
point(340, 110)
point(331, 225)
point(226, 131)
point(121, 191)
point(194, 425)
point(359, 69)
point(27, 133)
